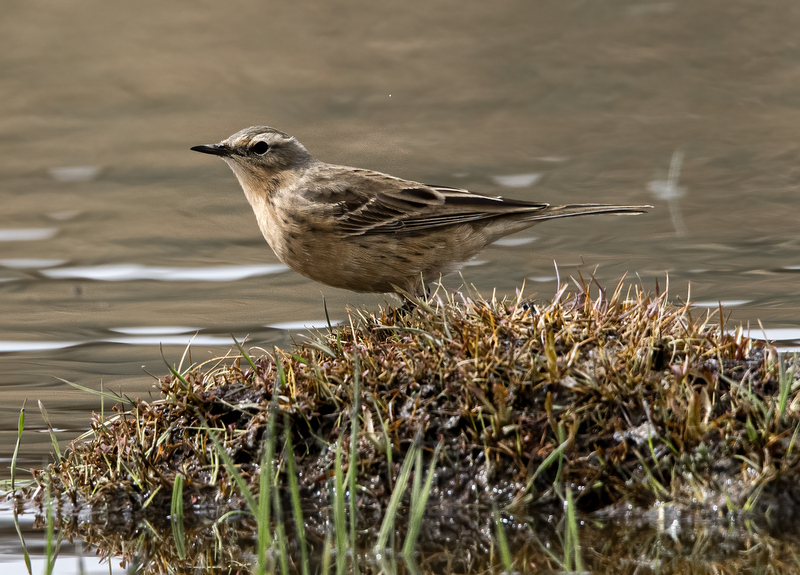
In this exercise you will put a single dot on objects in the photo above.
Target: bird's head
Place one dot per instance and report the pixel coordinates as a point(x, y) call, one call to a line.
point(258, 152)
point(261, 158)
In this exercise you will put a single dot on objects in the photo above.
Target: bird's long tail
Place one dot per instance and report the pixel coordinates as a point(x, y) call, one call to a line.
point(571, 210)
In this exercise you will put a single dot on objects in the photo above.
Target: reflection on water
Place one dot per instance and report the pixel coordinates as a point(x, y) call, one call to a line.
point(726, 304)
point(72, 558)
point(319, 324)
point(661, 540)
point(28, 263)
point(26, 234)
point(127, 272)
point(75, 173)
point(517, 180)
point(198, 340)
point(153, 330)
point(157, 338)
point(671, 192)
point(776, 334)
point(11, 346)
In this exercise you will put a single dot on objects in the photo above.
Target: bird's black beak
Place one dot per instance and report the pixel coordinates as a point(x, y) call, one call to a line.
point(213, 149)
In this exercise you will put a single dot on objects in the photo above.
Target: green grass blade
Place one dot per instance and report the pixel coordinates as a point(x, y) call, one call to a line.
point(544, 465)
point(53, 439)
point(245, 354)
point(353, 466)
point(294, 492)
point(176, 517)
point(502, 541)
point(572, 545)
point(25, 555)
point(173, 371)
point(20, 427)
point(327, 553)
point(416, 481)
point(267, 473)
point(387, 525)
point(419, 502)
point(387, 441)
point(785, 381)
point(263, 509)
point(411, 566)
point(792, 443)
point(280, 533)
point(101, 394)
point(339, 518)
point(234, 472)
point(50, 551)
point(150, 497)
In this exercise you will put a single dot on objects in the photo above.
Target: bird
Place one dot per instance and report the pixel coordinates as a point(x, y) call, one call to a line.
point(367, 231)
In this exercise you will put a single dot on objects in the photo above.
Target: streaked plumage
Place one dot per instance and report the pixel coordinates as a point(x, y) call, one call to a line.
point(366, 231)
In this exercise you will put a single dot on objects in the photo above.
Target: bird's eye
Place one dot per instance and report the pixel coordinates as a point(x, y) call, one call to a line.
point(260, 148)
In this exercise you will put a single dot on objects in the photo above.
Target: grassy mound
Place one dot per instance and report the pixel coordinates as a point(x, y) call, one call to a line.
point(633, 409)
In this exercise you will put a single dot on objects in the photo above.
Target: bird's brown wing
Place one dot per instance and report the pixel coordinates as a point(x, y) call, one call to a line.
point(419, 207)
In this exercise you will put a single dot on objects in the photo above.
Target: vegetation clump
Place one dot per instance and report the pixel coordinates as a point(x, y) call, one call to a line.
point(634, 410)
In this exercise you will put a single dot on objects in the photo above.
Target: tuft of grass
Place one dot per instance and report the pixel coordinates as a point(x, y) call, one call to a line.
point(629, 400)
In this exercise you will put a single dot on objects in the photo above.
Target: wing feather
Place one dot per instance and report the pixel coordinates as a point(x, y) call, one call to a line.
point(424, 207)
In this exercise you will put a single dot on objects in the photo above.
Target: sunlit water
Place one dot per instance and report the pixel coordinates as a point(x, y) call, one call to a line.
point(116, 240)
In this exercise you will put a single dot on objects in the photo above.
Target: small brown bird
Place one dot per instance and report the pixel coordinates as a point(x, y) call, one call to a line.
point(366, 231)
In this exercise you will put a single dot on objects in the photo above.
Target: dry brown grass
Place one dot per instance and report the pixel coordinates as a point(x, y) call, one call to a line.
point(631, 402)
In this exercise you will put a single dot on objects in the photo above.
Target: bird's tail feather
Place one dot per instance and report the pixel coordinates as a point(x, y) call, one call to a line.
point(571, 210)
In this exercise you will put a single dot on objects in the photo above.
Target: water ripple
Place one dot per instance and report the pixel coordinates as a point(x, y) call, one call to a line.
point(27, 234)
point(126, 272)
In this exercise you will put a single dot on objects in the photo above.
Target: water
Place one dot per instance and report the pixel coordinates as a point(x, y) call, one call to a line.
point(114, 237)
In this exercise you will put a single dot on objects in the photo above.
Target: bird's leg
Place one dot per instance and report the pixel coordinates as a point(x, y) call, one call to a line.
point(419, 291)
point(408, 307)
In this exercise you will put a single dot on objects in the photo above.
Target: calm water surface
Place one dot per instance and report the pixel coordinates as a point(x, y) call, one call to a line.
point(115, 238)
